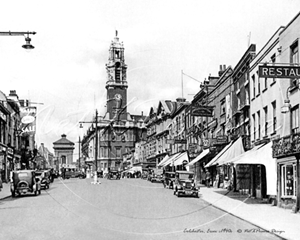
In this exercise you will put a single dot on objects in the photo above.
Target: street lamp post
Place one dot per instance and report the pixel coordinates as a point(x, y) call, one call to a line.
point(96, 139)
point(286, 109)
point(79, 154)
point(27, 45)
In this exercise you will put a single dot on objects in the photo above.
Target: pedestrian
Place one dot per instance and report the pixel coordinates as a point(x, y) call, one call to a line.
point(52, 175)
point(63, 172)
point(1, 185)
point(207, 178)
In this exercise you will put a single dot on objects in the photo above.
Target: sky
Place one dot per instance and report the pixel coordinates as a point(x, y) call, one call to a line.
point(65, 75)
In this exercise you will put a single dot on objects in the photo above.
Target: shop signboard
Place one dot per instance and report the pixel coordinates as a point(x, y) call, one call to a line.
point(202, 110)
point(286, 146)
point(180, 141)
point(265, 71)
point(221, 139)
point(28, 120)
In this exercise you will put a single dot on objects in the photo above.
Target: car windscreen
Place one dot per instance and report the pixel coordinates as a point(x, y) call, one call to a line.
point(23, 174)
point(186, 176)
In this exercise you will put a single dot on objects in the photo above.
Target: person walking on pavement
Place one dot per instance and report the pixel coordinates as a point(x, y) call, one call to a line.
point(207, 178)
point(1, 184)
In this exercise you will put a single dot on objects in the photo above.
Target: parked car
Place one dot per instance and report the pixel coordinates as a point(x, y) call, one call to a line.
point(24, 181)
point(168, 179)
point(185, 184)
point(157, 175)
point(72, 173)
point(150, 174)
point(44, 176)
point(145, 173)
point(114, 174)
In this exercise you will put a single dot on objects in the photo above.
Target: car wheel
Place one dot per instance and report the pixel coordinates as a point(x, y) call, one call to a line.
point(197, 195)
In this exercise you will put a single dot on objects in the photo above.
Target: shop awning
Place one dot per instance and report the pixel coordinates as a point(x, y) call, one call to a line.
point(262, 155)
point(163, 161)
point(180, 159)
point(199, 157)
point(233, 151)
point(170, 159)
point(211, 163)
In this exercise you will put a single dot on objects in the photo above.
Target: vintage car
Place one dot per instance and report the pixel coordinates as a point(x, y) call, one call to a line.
point(145, 173)
point(45, 178)
point(24, 181)
point(114, 174)
point(168, 179)
point(185, 184)
point(157, 175)
point(72, 173)
point(150, 174)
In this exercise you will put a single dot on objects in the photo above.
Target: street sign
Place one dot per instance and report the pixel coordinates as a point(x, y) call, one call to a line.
point(279, 71)
point(202, 111)
point(170, 141)
point(179, 141)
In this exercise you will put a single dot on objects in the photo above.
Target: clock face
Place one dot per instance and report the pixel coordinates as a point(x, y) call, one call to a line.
point(118, 96)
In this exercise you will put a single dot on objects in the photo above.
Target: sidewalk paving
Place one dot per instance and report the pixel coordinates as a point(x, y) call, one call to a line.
point(5, 191)
point(263, 215)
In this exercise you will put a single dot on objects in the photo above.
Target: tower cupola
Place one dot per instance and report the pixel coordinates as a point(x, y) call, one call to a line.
point(116, 67)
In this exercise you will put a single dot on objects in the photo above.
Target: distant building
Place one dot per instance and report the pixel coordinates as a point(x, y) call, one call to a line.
point(117, 130)
point(44, 158)
point(63, 151)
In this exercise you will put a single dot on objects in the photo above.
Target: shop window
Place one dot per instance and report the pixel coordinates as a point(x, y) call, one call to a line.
point(253, 84)
point(258, 86)
point(254, 126)
point(288, 180)
point(294, 59)
point(258, 122)
point(295, 119)
point(273, 61)
point(274, 116)
point(266, 120)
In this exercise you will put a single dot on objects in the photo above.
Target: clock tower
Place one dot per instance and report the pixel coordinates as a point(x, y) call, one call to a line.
point(116, 83)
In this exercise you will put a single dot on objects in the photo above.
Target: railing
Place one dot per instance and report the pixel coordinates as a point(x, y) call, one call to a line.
point(286, 146)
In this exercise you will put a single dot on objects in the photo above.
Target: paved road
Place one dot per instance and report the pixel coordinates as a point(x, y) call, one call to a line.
point(117, 209)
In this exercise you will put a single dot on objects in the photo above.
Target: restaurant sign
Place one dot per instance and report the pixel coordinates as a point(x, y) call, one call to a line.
point(265, 71)
point(286, 146)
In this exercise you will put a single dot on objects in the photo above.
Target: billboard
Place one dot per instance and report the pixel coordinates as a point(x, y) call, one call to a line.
point(28, 120)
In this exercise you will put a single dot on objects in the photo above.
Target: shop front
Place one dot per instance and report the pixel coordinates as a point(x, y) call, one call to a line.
point(287, 152)
point(222, 171)
point(2, 162)
point(196, 166)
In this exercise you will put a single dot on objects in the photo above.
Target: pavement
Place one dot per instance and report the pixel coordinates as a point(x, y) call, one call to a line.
point(266, 217)
point(279, 221)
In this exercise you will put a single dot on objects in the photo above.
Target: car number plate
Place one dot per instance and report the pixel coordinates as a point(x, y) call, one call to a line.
point(188, 192)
